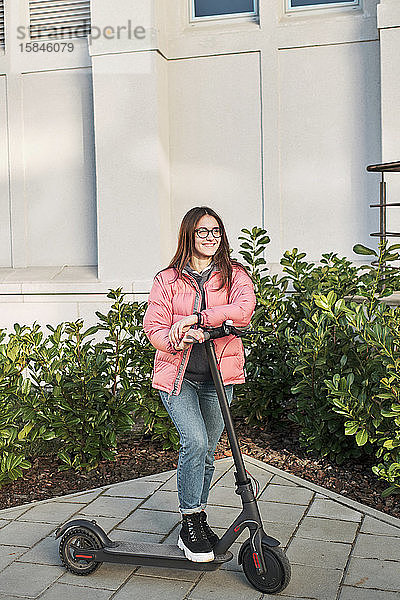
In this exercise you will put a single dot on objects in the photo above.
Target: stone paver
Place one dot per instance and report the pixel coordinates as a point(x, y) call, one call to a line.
point(134, 489)
point(338, 548)
point(316, 553)
point(313, 582)
point(14, 513)
point(165, 573)
point(24, 579)
point(24, 534)
point(108, 577)
point(169, 486)
point(149, 588)
point(106, 506)
point(43, 553)
point(153, 521)
point(327, 529)
point(163, 499)
point(51, 512)
point(9, 554)
point(222, 496)
point(224, 585)
point(280, 512)
point(162, 477)
point(81, 498)
point(372, 573)
point(277, 479)
point(333, 510)
point(352, 593)
point(74, 592)
point(377, 546)
point(370, 525)
point(287, 494)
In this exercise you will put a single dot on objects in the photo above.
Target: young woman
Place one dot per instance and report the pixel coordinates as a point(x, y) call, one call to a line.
point(202, 286)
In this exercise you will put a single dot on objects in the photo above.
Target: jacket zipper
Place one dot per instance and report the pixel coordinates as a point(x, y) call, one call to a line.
point(185, 353)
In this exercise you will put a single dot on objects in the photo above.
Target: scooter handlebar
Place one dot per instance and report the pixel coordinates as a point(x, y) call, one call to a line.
point(227, 328)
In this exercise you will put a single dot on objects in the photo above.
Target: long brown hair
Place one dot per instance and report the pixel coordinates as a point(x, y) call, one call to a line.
point(185, 249)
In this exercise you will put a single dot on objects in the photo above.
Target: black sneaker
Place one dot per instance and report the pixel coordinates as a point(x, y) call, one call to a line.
point(193, 540)
point(211, 536)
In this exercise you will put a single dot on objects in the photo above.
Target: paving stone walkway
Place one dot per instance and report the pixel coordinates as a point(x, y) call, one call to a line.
point(338, 549)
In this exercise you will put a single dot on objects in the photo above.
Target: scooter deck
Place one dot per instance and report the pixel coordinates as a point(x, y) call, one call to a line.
point(161, 555)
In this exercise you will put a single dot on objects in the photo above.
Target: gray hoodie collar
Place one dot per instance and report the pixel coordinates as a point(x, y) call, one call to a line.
point(205, 272)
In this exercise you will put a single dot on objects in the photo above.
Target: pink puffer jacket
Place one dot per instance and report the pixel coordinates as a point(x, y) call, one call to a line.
point(171, 299)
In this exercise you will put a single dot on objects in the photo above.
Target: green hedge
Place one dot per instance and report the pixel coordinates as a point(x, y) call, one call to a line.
point(327, 356)
point(77, 393)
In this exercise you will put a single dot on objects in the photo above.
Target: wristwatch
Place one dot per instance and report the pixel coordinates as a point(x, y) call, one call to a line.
point(199, 318)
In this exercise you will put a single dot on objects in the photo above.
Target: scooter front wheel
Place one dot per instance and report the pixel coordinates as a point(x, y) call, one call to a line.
point(73, 544)
point(278, 572)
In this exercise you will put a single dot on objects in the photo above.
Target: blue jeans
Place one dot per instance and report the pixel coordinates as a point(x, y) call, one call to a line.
point(197, 416)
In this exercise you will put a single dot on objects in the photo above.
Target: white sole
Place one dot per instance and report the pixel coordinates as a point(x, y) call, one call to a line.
point(200, 557)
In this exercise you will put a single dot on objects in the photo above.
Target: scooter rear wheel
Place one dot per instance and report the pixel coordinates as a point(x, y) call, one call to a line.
point(79, 539)
point(278, 569)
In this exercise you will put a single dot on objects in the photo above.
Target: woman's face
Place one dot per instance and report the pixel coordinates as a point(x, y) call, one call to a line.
point(206, 247)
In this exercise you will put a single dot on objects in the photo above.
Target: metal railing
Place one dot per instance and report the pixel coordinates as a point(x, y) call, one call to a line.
point(392, 167)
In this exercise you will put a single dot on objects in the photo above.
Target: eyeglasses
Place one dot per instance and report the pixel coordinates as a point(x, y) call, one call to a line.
point(203, 232)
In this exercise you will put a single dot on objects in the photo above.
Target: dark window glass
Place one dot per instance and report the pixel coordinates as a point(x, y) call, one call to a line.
point(210, 8)
point(295, 3)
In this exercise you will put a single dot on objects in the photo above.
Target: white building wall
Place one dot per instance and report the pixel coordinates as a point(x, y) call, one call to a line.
point(5, 230)
point(215, 139)
point(272, 123)
point(59, 168)
point(318, 89)
point(329, 133)
point(47, 154)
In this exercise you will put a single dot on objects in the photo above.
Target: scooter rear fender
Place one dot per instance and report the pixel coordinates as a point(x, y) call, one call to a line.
point(92, 526)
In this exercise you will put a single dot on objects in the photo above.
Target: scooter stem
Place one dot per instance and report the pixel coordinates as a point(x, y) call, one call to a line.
point(230, 428)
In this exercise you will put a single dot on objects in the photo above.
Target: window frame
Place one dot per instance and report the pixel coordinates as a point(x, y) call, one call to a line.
point(339, 4)
point(244, 16)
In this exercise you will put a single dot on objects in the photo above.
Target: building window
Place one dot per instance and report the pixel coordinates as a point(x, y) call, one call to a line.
point(59, 18)
point(216, 9)
point(303, 4)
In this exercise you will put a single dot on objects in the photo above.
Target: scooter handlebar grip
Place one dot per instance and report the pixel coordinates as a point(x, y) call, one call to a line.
point(195, 341)
point(225, 329)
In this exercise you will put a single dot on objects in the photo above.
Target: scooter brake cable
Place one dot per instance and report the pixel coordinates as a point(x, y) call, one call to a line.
point(256, 483)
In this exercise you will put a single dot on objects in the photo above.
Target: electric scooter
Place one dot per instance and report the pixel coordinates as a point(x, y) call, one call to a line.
point(84, 545)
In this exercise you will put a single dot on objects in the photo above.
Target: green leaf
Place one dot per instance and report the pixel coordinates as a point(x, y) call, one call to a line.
point(391, 444)
point(26, 387)
point(322, 302)
point(360, 249)
point(25, 431)
point(351, 427)
point(362, 437)
point(393, 489)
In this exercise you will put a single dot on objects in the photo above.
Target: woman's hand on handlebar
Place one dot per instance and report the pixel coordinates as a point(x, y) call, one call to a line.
point(187, 339)
point(179, 329)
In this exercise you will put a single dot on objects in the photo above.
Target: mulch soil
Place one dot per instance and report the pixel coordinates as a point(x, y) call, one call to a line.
point(139, 456)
